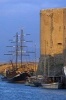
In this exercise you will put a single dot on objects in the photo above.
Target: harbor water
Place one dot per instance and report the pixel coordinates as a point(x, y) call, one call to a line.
point(11, 91)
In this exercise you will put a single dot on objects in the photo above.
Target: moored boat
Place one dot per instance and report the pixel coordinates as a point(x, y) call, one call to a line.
point(54, 85)
point(34, 81)
point(38, 81)
point(13, 75)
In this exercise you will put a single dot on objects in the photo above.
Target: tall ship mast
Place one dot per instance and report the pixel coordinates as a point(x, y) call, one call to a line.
point(12, 75)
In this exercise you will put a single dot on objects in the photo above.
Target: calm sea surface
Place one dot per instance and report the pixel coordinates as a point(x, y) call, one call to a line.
point(10, 91)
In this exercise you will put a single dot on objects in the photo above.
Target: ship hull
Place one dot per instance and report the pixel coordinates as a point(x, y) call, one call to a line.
point(20, 78)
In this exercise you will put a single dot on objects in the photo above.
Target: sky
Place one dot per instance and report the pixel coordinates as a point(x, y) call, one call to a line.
point(22, 14)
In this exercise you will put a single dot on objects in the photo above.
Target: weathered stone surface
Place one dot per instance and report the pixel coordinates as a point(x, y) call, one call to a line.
point(52, 40)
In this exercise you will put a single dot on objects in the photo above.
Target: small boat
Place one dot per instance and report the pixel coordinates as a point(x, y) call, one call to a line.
point(54, 85)
point(30, 81)
point(37, 82)
point(34, 81)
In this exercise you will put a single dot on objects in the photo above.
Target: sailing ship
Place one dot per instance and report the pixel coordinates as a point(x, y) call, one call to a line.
point(14, 75)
